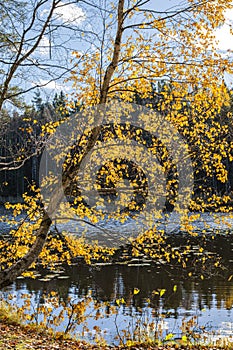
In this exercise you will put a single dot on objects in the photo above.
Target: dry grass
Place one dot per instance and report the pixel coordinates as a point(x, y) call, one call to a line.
point(14, 335)
point(17, 337)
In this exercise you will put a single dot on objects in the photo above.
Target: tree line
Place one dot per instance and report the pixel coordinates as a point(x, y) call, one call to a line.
point(22, 145)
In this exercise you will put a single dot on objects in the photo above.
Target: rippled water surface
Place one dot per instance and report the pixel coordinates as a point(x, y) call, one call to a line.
point(210, 300)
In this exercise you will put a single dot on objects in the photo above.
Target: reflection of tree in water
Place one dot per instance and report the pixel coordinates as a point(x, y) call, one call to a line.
point(111, 282)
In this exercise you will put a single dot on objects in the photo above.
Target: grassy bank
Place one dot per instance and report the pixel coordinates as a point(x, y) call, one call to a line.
point(14, 335)
point(17, 337)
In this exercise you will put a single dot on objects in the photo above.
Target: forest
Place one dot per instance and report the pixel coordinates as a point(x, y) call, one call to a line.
point(22, 146)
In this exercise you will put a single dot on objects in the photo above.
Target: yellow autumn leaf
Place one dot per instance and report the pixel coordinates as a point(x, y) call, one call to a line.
point(136, 291)
point(169, 336)
point(162, 292)
point(184, 338)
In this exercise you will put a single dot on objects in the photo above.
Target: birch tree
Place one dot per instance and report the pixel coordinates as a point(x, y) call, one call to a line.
point(133, 45)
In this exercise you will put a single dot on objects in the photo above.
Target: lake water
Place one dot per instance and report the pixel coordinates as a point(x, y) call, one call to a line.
point(209, 302)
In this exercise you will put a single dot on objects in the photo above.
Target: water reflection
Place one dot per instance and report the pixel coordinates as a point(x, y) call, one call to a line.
point(210, 300)
point(108, 283)
point(111, 282)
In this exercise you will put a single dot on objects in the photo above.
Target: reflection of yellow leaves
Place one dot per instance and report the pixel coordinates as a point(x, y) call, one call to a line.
point(155, 292)
point(120, 301)
point(159, 292)
point(162, 292)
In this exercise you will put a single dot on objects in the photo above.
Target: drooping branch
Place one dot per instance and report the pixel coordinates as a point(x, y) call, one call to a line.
point(9, 275)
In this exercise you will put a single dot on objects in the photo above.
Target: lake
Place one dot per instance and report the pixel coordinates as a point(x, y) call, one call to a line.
point(206, 306)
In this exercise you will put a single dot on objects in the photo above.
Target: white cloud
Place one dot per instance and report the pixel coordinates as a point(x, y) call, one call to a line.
point(54, 85)
point(229, 14)
point(224, 43)
point(224, 38)
point(223, 35)
point(69, 13)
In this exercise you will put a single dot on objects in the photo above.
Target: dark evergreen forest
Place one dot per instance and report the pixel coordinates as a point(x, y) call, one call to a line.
point(22, 143)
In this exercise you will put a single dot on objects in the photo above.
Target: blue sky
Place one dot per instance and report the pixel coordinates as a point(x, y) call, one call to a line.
point(75, 14)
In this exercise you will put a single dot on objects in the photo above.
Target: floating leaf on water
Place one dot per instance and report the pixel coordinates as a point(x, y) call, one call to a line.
point(155, 292)
point(120, 301)
point(102, 264)
point(44, 279)
point(58, 271)
point(37, 275)
point(63, 277)
point(122, 263)
point(135, 260)
point(50, 276)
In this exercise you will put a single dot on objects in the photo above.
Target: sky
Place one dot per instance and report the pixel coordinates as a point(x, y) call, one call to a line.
point(223, 35)
point(74, 14)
